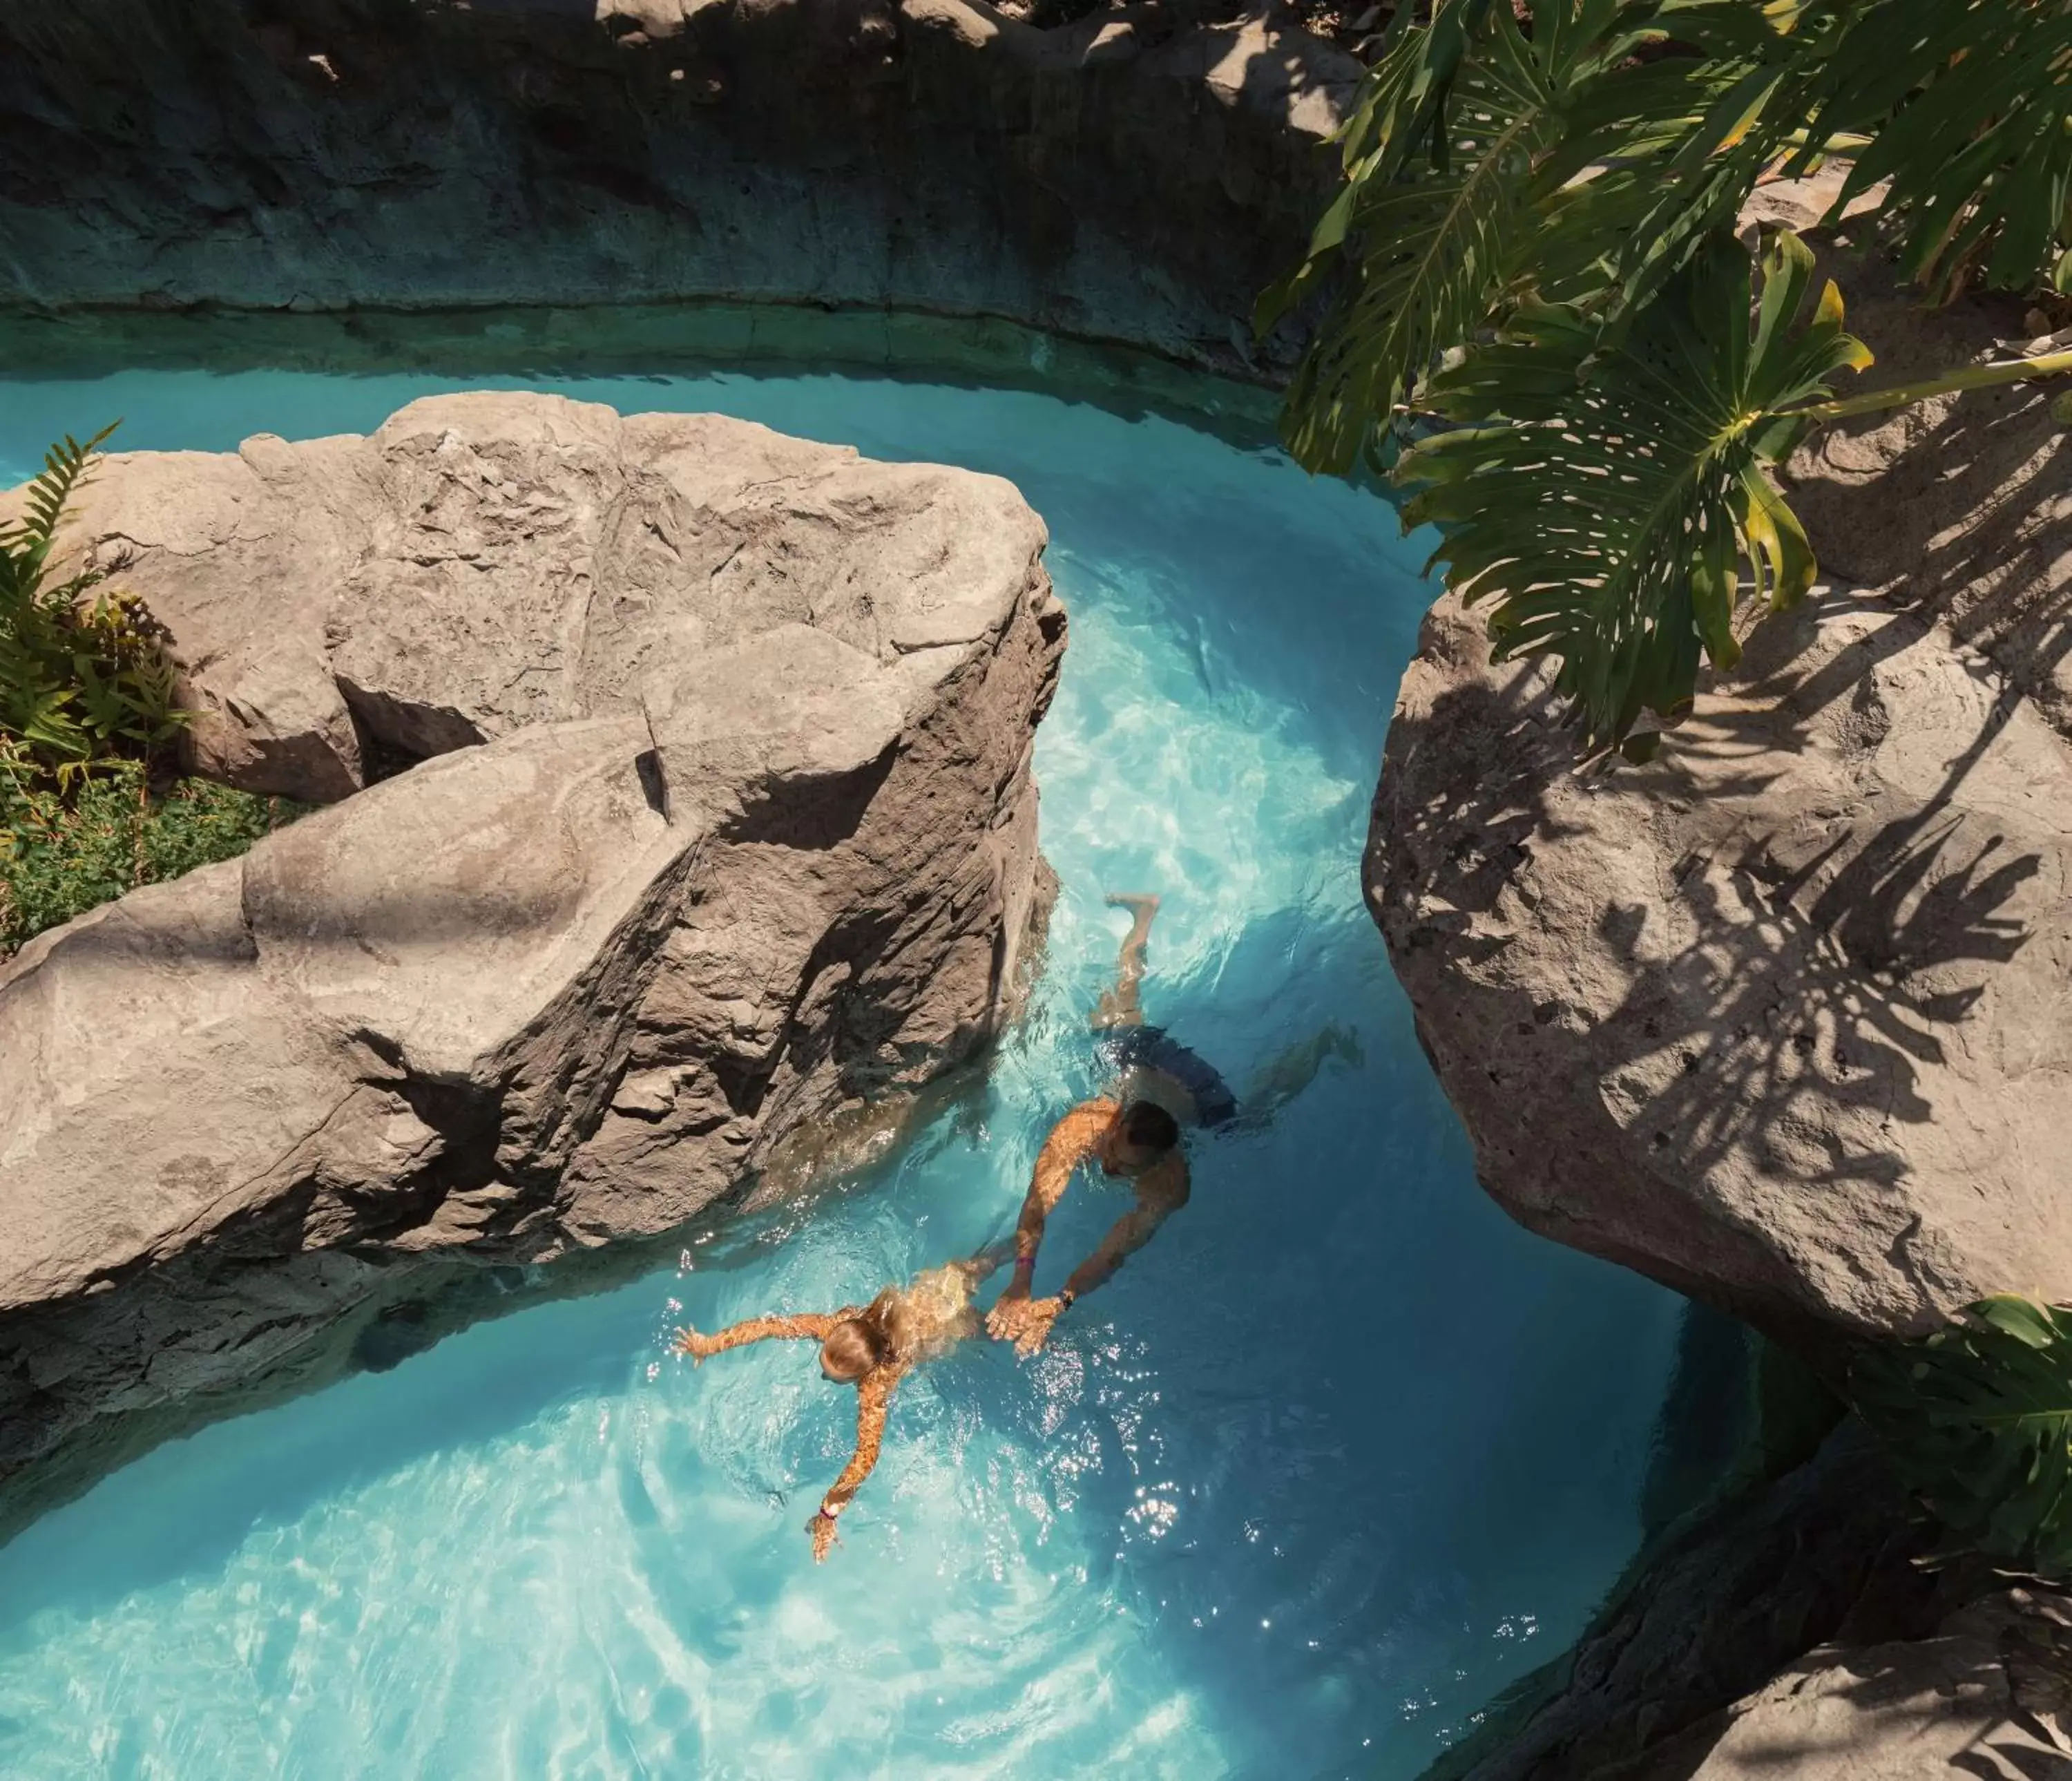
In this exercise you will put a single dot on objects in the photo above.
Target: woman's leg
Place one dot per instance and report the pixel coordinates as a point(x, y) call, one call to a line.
point(1122, 1006)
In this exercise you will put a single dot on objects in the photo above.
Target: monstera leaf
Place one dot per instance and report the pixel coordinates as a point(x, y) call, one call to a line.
point(1450, 161)
point(1607, 490)
point(1978, 1417)
point(1968, 103)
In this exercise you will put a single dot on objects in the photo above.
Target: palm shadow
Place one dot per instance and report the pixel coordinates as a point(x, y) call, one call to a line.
point(1827, 950)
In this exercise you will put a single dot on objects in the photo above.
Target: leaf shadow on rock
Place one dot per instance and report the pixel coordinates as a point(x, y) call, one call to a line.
point(1828, 973)
point(1960, 510)
point(1986, 1676)
point(1785, 986)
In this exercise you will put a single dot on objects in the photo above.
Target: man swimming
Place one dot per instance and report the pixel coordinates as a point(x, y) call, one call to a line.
point(872, 1348)
point(1134, 1133)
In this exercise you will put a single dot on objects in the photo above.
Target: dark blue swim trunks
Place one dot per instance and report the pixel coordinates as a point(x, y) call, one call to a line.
point(1125, 1048)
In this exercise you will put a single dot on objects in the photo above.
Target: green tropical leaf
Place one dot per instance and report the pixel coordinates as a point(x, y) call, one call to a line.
point(1977, 1418)
point(1444, 158)
point(1969, 106)
point(80, 686)
point(1606, 488)
point(65, 466)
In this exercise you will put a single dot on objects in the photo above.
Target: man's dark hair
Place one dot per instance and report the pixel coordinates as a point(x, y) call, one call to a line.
point(1149, 1126)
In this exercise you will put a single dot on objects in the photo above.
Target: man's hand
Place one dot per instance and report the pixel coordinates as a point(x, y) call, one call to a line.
point(689, 1341)
point(822, 1528)
point(1024, 1322)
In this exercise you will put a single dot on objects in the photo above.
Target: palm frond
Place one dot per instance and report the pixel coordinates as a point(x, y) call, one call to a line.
point(1977, 1418)
point(1607, 489)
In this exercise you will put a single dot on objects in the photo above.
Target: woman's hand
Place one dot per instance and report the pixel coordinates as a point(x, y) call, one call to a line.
point(1003, 1322)
point(822, 1528)
point(689, 1341)
point(1025, 1321)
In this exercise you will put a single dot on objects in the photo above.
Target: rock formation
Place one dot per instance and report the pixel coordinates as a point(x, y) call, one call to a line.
point(1793, 1631)
point(1777, 1019)
point(749, 835)
point(1129, 177)
point(346, 605)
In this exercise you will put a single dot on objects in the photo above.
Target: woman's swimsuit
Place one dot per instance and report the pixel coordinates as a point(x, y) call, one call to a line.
point(1123, 1049)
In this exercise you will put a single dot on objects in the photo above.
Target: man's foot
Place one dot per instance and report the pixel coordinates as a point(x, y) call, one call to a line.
point(1141, 903)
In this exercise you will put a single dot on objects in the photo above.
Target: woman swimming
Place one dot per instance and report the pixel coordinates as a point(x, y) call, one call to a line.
point(871, 1347)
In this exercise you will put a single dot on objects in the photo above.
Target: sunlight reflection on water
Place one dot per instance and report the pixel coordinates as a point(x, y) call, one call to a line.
point(1338, 1457)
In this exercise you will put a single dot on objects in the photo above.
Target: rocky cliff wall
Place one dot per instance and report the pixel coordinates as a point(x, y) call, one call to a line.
point(1778, 1019)
point(1127, 178)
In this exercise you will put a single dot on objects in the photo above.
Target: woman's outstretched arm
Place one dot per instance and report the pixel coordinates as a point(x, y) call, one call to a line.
point(873, 1399)
point(802, 1325)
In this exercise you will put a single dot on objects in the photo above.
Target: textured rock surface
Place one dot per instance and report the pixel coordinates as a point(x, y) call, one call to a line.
point(1958, 509)
point(570, 986)
point(1126, 177)
point(482, 562)
point(1984, 1695)
point(1791, 1630)
point(1777, 1019)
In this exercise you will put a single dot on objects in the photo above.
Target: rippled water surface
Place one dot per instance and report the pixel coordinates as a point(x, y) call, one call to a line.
point(1334, 1459)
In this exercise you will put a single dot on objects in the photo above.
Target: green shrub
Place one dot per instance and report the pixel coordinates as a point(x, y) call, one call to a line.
point(88, 709)
point(79, 684)
point(63, 853)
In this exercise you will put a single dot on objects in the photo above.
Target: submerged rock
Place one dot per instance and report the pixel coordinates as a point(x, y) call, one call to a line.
point(744, 845)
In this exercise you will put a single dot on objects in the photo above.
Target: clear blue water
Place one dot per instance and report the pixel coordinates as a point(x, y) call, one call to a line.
point(1338, 1456)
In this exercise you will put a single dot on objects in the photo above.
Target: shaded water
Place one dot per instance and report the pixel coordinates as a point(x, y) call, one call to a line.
point(1334, 1459)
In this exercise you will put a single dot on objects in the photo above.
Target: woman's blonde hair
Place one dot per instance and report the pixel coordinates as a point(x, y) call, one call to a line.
point(877, 1334)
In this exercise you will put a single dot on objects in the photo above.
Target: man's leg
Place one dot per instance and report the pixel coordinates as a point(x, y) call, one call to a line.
point(1122, 1006)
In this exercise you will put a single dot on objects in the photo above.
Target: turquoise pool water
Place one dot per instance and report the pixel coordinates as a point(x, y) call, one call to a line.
point(1338, 1457)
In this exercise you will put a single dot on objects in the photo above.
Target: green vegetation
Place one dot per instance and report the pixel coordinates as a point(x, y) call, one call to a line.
point(1977, 1418)
point(1535, 242)
point(89, 712)
point(79, 684)
point(61, 854)
point(1543, 325)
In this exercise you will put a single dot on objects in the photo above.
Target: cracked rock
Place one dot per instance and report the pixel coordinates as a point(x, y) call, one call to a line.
point(510, 1003)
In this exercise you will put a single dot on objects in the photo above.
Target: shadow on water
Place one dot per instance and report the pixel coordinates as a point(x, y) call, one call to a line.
point(649, 343)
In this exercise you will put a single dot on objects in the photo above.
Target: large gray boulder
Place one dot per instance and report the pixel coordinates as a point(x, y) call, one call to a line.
point(567, 987)
point(1777, 1019)
point(346, 605)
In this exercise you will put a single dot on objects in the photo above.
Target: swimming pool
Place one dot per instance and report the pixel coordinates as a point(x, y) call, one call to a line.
point(1334, 1459)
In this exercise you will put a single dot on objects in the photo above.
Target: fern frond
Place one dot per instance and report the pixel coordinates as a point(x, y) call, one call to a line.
point(65, 466)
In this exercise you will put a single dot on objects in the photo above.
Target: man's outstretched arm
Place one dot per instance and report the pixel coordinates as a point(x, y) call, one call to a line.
point(1072, 1141)
point(1160, 1193)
